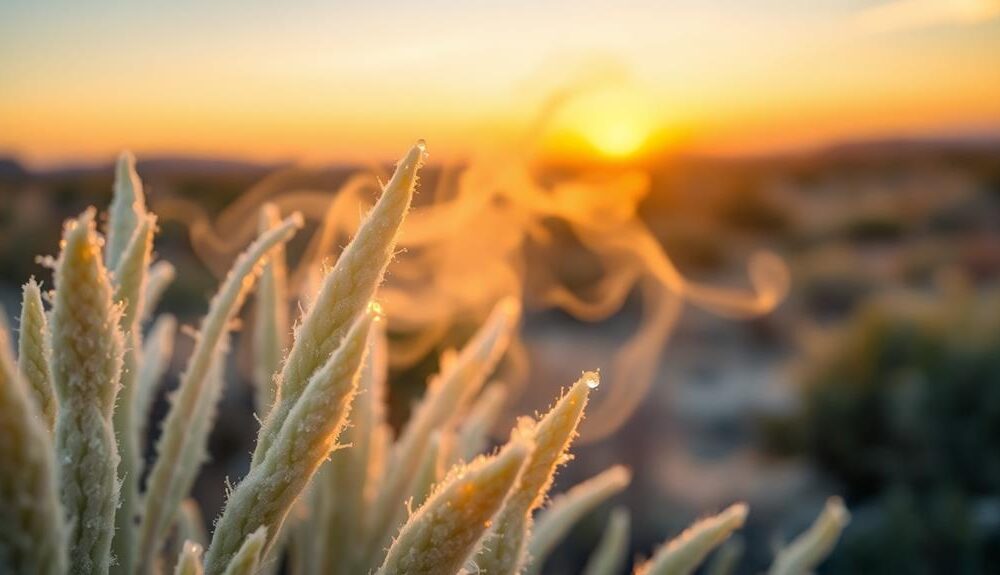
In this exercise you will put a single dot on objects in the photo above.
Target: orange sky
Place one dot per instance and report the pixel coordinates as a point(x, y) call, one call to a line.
point(361, 80)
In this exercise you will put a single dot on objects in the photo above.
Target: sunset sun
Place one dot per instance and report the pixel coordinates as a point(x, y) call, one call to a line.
point(616, 124)
point(615, 137)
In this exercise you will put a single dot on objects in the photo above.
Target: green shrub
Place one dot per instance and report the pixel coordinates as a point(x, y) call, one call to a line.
point(904, 412)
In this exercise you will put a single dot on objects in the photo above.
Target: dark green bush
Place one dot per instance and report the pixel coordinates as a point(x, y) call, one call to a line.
point(904, 412)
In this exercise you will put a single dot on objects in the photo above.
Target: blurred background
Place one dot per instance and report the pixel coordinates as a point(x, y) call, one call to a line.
point(774, 226)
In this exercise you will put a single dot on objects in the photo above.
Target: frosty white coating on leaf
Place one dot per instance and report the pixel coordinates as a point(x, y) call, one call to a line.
point(247, 559)
point(129, 281)
point(189, 561)
point(503, 550)
point(370, 413)
point(129, 276)
point(808, 550)
point(612, 552)
point(447, 396)
point(340, 490)
point(86, 362)
point(345, 292)
point(266, 494)
point(271, 329)
point(33, 353)
point(443, 532)
point(194, 452)
point(370, 431)
point(165, 488)
point(128, 206)
point(688, 550)
point(32, 531)
point(552, 525)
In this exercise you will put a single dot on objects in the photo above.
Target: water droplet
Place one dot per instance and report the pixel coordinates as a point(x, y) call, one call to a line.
point(422, 145)
point(592, 379)
point(376, 310)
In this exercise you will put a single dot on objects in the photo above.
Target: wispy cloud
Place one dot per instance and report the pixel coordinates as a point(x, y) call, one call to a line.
point(898, 15)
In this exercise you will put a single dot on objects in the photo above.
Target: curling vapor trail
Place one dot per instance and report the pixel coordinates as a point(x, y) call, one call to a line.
point(467, 245)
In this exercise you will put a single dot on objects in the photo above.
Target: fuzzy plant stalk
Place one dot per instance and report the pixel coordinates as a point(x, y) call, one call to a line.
point(129, 281)
point(127, 253)
point(271, 328)
point(269, 490)
point(189, 560)
point(157, 350)
point(447, 396)
point(371, 433)
point(725, 560)
point(339, 490)
point(181, 446)
point(247, 559)
point(128, 207)
point(688, 551)
point(807, 551)
point(440, 536)
point(504, 550)
point(612, 552)
point(565, 511)
point(346, 291)
point(32, 529)
point(190, 528)
point(33, 353)
point(86, 364)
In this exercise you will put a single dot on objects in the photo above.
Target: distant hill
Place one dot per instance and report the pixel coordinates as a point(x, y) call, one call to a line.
point(899, 147)
point(875, 153)
point(168, 165)
point(11, 170)
point(849, 152)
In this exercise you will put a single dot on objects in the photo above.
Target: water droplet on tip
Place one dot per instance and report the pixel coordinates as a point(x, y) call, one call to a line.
point(376, 310)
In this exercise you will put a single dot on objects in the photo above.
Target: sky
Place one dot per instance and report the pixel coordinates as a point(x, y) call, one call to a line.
point(361, 80)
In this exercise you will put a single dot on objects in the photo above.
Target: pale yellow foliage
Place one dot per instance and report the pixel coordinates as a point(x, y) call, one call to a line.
point(33, 353)
point(808, 550)
point(86, 363)
point(443, 532)
point(688, 550)
point(504, 550)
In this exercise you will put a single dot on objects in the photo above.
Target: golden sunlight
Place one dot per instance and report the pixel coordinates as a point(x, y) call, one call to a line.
point(615, 123)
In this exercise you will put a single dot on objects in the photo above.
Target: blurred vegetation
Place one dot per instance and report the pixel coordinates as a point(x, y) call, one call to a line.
point(748, 208)
point(876, 228)
point(903, 411)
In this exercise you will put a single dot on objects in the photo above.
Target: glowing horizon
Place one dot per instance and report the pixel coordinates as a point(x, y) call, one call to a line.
point(362, 81)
